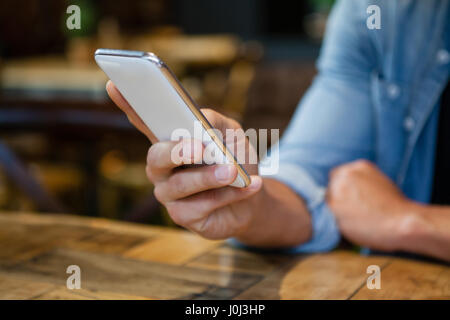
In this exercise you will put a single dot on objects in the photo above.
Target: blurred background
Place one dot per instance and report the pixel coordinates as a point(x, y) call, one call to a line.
point(64, 147)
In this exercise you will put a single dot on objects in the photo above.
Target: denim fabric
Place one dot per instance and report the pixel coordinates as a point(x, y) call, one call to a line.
point(376, 97)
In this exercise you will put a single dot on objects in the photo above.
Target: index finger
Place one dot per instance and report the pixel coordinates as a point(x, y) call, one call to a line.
point(163, 157)
point(133, 117)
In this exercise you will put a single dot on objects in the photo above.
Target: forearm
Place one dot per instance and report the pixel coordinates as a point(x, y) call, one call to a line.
point(425, 229)
point(280, 218)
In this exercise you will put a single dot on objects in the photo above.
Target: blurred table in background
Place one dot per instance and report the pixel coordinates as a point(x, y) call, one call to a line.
point(127, 261)
point(50, 78)
point(77, 76)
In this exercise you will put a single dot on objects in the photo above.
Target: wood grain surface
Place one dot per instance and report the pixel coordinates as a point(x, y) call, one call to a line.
point(128, 261)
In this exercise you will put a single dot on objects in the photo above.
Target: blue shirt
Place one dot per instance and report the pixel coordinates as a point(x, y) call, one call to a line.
point(376, 96)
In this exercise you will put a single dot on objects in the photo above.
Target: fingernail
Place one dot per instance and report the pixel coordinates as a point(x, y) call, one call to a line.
point(223, 173)
point(255, 183)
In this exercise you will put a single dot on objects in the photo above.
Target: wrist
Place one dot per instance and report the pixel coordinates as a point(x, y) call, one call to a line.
point(278, 217)
point(411, 225)
point(253, 205)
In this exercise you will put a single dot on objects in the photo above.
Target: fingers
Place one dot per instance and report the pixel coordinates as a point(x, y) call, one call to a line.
point(188, 211)
point(163, 157)
point(358, 166)
point(117, 97)
point(191, 181)
point(133, 117)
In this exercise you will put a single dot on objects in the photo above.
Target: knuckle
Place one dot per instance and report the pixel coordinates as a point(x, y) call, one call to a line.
point(152, 154)
point(346, 171)
point(149, 173)
point(178, 184)
point(158, 193)
point(339, 173)
point(338, 186)
point(341, 184)
point(362, 164)
point(200, 227)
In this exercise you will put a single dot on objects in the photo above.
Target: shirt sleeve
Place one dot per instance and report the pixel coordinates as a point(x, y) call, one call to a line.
point(333, 123)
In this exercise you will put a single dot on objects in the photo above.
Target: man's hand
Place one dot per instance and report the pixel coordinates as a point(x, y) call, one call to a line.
point(268, 214)
point(370, 210)
point(197, 198)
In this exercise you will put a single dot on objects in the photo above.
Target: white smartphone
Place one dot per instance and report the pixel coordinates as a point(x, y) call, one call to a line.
point(160, 101)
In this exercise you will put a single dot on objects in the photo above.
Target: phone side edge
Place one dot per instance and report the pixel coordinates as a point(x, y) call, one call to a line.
point(184, 95)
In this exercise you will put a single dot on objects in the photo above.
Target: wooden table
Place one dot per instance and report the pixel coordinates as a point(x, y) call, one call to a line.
point(127, 261)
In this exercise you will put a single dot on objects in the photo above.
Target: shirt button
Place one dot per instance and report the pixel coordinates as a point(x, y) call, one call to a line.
point(393, 91)
point(443, 56)
point(409, 123)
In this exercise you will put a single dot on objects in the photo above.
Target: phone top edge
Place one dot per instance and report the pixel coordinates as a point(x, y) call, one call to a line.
point(130, 54)
point(121, 53)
